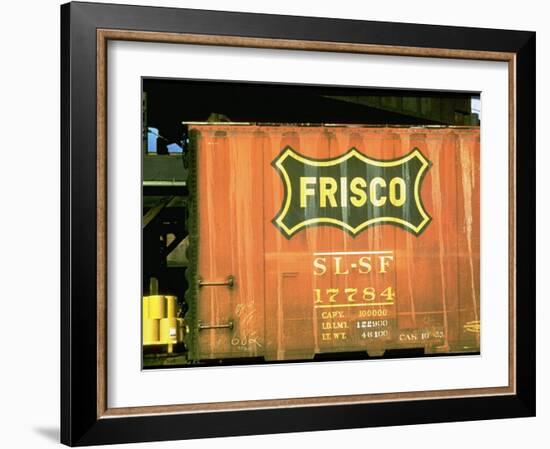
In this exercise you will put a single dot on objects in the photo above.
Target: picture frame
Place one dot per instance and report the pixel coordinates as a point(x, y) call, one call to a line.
point(86, 418)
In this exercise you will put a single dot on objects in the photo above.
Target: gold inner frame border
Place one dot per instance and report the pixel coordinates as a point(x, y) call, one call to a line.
point(105, 35)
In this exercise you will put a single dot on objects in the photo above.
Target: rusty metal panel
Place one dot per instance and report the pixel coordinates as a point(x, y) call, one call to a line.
point(330, 286)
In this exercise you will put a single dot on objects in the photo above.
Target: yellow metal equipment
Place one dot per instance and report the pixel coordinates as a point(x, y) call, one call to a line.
point(161, 325)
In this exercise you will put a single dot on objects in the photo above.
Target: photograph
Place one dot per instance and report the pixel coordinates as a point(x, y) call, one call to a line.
point(302, 223)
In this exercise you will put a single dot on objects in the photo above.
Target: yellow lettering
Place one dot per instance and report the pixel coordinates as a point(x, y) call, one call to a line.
point(317, 293)
point(384, 263)
point(351, 293)
point(304, 190)
point(357, 185)
point(343, 192)
point(332, 293)
point(397, 202)
point(337, 263)
point(319, 265)
point(364, 262)
point(327, 190)
point(340, 193)
point(374, 198)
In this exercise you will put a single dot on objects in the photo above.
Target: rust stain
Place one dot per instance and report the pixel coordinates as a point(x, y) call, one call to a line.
point(468, 184)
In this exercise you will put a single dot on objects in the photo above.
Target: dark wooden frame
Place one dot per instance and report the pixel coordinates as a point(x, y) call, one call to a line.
point(85, 418)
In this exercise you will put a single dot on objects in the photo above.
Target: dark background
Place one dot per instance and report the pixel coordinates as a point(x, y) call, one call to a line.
point(169, 102)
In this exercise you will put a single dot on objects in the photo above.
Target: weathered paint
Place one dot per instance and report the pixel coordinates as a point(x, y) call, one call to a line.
point(279, 308)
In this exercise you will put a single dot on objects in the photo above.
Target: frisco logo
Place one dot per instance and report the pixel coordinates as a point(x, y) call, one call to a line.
point(351, 192)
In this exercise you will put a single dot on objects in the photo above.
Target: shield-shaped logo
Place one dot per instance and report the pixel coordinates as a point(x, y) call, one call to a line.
point(351, 192)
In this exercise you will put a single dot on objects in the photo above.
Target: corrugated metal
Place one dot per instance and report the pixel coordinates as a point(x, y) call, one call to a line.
point(435, 275)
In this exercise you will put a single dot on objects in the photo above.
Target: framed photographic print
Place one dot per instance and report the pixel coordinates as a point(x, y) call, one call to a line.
point(277, 224)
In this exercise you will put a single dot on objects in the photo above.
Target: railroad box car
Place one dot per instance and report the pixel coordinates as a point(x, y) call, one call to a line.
point(308, 240)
